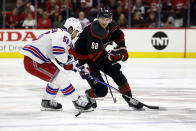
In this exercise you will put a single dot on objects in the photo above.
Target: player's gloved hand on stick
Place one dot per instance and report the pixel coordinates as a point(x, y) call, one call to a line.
point(118, 54)
point(71, 64)
point(85, 73)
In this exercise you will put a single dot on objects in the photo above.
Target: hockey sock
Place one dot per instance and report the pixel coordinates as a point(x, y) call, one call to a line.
point(91, 93)
point(126, 89)
point(51, 92)
point(69, 91)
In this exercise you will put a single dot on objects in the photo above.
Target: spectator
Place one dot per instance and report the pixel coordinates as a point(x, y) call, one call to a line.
point(44, 22)
point(29, 22)
point(125, 5)
point(93, 10)
point(69, 4)
point(170, 22)
point(13, 19)
point(116, 15)
point(167, 10)
point(153, 8)
point(41, 3)
point(20, 4)
point(30, 6)
point(83, 7)
point(89, 3)
point(40, 12)
point(176, 2)
point(122, 21)
point(28, 9)
point(59, 22)
point(83, 20)
point(55, 13)
point(138, 7)
point(151, 20)
point(138, 20)
point(179, 16)
point(64, 12)
point(113, 5)
point(50, 5)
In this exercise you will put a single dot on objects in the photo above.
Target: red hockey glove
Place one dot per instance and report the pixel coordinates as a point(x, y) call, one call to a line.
point(114, 57)
point(118, 54)
point(124, 53)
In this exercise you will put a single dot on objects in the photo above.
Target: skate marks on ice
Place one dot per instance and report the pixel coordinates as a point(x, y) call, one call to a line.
point(164, 82)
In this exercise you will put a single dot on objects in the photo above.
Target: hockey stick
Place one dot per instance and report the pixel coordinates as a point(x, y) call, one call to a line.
point(114, 99)
point(132, 99)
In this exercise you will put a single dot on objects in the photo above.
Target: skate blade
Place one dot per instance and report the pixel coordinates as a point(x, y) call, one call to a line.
point(89, 110)
point(136, 109)
point(50, 109)
point(80, 111)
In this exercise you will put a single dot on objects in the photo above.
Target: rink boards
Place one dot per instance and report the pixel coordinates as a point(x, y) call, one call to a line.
point(141, 43)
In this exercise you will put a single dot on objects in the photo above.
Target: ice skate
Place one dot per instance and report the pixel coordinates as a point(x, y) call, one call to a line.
point(90, 99)
point(135, 104)
point(50, 105)
point(81, 104)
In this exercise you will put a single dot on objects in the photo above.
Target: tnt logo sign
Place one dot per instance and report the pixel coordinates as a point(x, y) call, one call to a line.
point(160, 40)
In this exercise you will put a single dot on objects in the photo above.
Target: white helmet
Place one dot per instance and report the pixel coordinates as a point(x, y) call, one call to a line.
point(74, 23)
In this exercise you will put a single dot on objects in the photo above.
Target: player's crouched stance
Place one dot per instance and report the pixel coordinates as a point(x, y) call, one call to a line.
point(38, 56)
point(90, 49)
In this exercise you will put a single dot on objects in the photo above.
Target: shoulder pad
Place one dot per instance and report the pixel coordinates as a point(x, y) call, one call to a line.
point(97, 31)
point(112, 26)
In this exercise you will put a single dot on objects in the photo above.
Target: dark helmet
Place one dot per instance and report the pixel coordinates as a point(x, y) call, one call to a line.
point(105, 12)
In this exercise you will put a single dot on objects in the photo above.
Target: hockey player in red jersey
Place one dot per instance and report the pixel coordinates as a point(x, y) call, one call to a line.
point(38, 56)
point(90, 49)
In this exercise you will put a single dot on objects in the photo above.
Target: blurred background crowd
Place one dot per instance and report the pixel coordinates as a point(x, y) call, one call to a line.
point(127, 13)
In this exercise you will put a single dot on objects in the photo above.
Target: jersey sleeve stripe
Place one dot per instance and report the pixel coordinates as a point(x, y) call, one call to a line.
point(58, 47)
point(58, 50)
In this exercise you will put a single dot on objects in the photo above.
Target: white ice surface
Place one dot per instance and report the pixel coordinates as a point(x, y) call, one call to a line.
point(170, 83)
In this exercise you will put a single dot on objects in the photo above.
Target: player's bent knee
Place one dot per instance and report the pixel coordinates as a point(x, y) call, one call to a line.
point(101, 91)
point(61, 80)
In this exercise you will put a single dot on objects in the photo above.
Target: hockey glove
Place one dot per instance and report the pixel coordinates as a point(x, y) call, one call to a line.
point(118, 54)
point(74, 67)
point(114, 57)
point(85, 73)
point(70, 63)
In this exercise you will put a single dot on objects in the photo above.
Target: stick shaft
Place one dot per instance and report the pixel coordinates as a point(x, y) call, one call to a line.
point(150, 107)
point(114, 99)
point(62, 69)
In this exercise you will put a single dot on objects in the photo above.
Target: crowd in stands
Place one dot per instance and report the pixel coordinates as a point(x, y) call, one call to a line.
point(143, 13)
